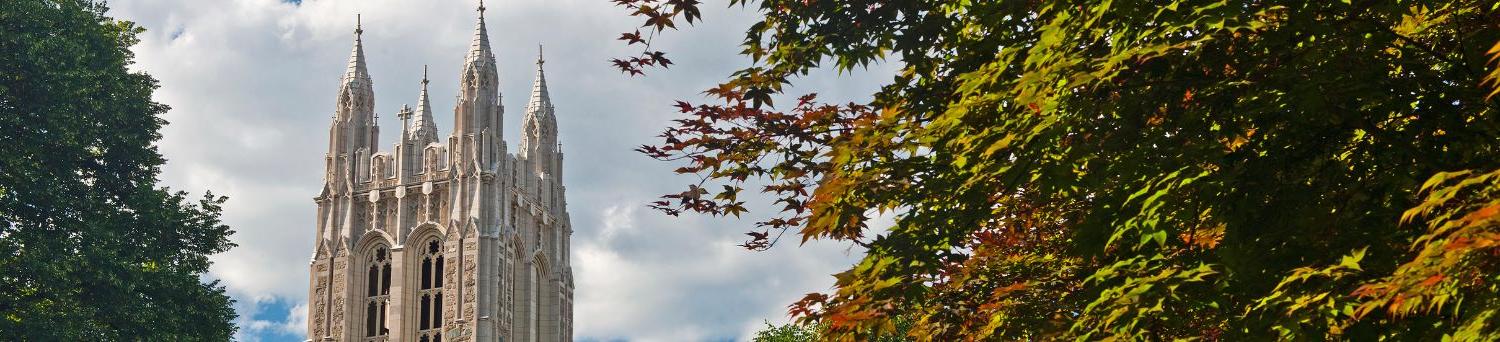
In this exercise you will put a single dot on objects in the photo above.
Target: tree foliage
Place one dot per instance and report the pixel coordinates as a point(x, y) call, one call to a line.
point(90, 248)
point(806, 332)
point(786, 333)
point(1176, 169)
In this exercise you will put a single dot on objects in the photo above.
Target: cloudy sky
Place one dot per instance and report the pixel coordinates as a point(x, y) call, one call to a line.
point(252, 83)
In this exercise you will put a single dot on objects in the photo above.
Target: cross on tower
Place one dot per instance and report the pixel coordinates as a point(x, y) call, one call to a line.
point(358, 26)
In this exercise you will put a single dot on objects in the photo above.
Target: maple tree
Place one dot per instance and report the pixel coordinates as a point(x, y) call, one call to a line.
point(1098, 170)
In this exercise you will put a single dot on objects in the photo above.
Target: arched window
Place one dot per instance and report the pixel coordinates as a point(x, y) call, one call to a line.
point(430, 294)
point(536, 299)
point(377, 293)
point(517, 266)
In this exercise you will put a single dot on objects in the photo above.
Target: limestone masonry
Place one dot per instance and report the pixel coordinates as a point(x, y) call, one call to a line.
point(455, 240)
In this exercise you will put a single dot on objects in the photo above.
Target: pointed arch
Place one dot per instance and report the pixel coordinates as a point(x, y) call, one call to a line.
point(373, 260)
point(372, 237)
point(424, 256)
point(424, 230)
point(518, 287)
point(537, 294)
point(518, 246)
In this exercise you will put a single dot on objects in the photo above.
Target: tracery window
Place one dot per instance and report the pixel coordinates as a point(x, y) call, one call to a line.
point(430, 294)
point(536, 299)
point(377, 294)
point(516, 267)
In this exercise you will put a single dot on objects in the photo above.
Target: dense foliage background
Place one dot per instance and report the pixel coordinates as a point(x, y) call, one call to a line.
point(1190, 169)
point(90, 248)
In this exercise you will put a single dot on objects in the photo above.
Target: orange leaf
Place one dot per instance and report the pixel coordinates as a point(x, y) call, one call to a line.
point(1433, 280)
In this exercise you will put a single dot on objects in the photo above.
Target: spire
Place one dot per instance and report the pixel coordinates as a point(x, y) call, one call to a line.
point(424, 129)
point(479, 94)
point(422, 103)
point(539, 98)
point(355, 85)
point(355, 129)
point(539, 127)
point(479, 47)
point(356, 67)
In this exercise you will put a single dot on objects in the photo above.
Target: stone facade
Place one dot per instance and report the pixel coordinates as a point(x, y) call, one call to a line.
point(456, 240)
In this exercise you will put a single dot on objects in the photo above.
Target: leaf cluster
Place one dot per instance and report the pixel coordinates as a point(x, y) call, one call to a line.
point(1159, 170)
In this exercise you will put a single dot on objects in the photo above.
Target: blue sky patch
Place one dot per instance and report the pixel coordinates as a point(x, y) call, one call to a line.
point(267, 320)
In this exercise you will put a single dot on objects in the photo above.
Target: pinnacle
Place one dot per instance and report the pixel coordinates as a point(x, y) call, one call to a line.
point(356, 69)
point(540, 99)
point(355, 88)
point(479, 48)
point(423, 128)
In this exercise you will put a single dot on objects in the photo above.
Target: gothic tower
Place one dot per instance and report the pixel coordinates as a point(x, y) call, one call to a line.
point(454, 240)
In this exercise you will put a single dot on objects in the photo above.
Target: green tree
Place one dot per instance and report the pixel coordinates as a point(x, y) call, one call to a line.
point(786, 333)
point(806, 332)
point(90, 248)
point(1175, 169)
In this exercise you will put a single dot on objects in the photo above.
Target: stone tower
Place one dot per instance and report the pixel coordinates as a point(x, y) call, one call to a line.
point(436, 241)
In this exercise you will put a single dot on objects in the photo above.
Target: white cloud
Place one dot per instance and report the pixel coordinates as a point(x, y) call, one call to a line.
point(689, 275)
point(296, 322)
point(252, 84)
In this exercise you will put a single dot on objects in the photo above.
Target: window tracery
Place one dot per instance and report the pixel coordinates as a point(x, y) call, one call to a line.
point(377, 294)
point(430, 294)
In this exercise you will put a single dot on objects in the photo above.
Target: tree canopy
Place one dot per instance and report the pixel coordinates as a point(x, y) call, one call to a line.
point(1176, 169)
point(91, 249)
point(807, 332)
